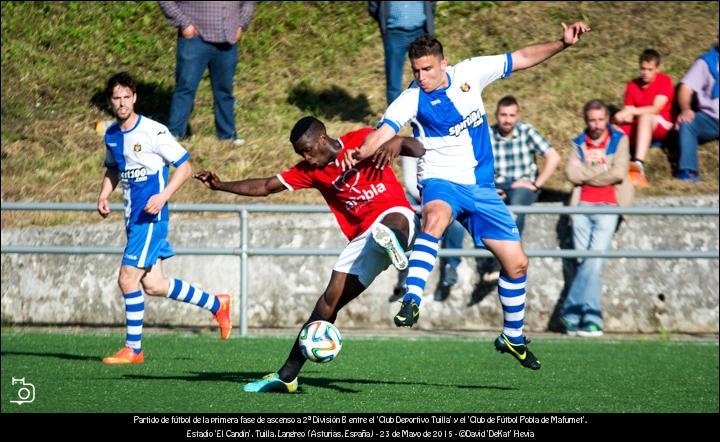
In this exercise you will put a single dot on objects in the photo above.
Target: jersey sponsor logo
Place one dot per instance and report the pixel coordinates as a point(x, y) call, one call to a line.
point(474, 119)
point(347, 181)
point(136, 175)
point(465, 87)
point(137, 147)
point(366, 195)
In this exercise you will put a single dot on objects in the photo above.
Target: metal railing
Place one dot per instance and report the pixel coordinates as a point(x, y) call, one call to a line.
point(244, 251)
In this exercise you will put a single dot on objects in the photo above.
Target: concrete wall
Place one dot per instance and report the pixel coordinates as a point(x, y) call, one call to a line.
point(639, 295)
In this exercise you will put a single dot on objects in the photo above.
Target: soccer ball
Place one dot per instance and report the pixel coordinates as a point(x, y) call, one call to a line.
point(320, 341)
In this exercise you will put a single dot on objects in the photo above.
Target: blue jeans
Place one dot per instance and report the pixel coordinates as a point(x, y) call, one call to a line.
point(192, 58)
point(703, 127)
point(454, 236)
point(519, 197)
point(590, 232)
point(396, 43)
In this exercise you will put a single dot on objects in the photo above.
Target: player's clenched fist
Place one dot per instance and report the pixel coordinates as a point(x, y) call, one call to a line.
point(209, 179)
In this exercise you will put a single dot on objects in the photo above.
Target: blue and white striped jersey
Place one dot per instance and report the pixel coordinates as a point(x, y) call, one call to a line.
point(451, 122)
point(142, 157)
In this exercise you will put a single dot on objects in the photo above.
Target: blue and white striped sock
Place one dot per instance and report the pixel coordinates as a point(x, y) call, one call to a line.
point(421, 262)
point(512, 297)
point(134, 314)
point(182, 291)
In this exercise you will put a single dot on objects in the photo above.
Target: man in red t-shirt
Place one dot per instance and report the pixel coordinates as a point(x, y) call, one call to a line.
point(369, 204)
point(646, 115)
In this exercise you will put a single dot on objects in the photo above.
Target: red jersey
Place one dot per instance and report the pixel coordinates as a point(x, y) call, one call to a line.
point(595, 154)
point(636, 95)
point(357, 196)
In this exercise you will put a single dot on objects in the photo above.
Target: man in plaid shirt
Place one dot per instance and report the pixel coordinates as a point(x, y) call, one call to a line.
point(515, 145)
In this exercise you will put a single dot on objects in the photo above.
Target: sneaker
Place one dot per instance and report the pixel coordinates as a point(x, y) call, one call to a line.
point(518, 351)
point(408, 314)
point(569, 328)
point(237, 141)
point(222, 316)
point(447, 281)
point(442, 292)
point(637, 175)
point(590, 329)
point(689, 176)
point(126, 355)
point(387, 240)
point(398, 293)
point(271, 383)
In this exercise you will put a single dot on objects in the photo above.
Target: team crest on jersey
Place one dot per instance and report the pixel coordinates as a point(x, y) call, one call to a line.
point(137, 147)
point(465, 87)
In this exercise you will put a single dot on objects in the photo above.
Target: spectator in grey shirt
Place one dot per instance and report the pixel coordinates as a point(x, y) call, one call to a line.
point(701, 81)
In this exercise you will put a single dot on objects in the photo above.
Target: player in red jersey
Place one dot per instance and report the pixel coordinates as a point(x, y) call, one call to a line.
point(369, 204)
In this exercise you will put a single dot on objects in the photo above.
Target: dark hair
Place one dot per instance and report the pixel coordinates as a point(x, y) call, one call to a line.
point(507, 100)
point(120, 79)
point(425, 45)
point(650, 55)
point(594, 105)
point(306, 127)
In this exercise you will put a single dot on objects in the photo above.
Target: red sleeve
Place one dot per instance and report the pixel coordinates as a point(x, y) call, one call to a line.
point(666, 87)
point(297, 177)
point(629, 99)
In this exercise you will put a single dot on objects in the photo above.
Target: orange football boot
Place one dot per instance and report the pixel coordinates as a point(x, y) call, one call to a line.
point(126, 355)
point(223, 316)
point(637, 175)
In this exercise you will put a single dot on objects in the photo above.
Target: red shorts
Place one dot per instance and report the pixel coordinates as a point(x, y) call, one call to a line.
point(659, 133)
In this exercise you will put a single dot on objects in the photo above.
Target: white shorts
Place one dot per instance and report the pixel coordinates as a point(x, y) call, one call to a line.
point(364, 258)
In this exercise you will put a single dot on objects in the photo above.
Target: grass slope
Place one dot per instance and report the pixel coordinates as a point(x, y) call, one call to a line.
point(298, 58)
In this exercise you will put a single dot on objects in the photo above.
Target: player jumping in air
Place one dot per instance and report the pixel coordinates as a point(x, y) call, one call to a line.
point(456, 174)
point(369, 205)
point(139, 152)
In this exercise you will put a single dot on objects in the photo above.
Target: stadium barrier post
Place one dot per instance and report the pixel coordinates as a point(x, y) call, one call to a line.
point(243, 272)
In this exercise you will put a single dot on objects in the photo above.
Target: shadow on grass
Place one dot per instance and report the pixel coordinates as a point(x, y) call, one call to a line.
point(332, 102)
point(327, 383)
point(52, 355)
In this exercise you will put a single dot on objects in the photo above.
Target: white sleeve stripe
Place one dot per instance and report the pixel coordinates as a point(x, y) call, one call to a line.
point(289, 187)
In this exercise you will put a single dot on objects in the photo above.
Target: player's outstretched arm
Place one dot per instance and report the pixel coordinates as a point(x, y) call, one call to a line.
point(248, 187)
point(530, 56)
point(411, 147)
point(405, 146)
